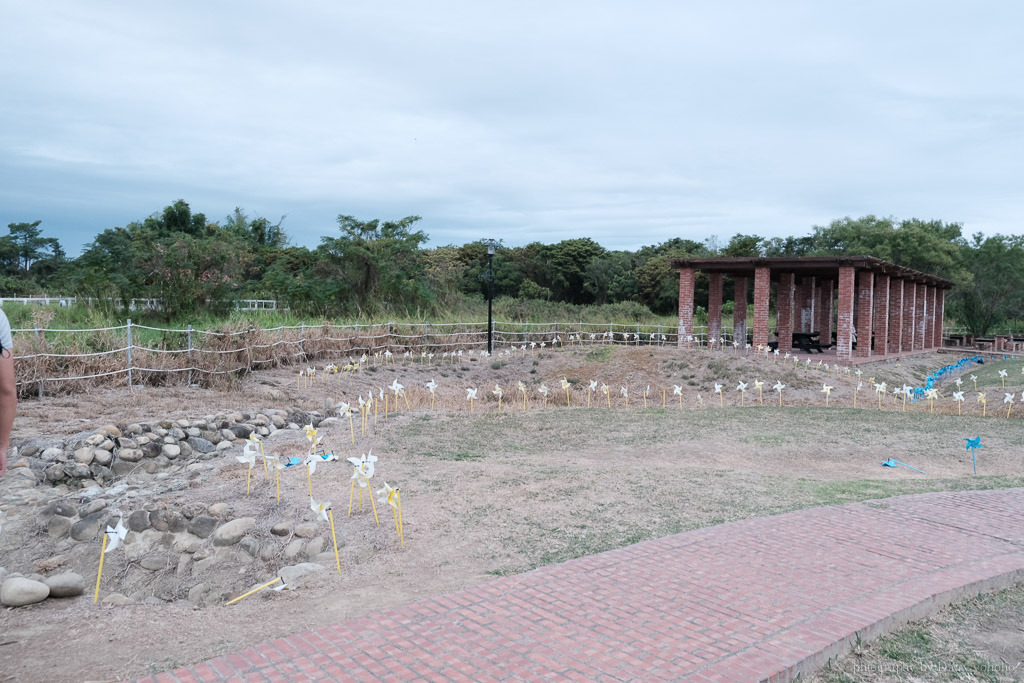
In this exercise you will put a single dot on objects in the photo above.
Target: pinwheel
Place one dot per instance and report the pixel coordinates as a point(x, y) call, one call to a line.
point(827, 390)
point(775, 356)
point(1002, 377)
point(590, 390)
point(974, 378)
point(388, 357)
point(497, 391)
point(522, 390)
point(625, 394)
point(858, 372)
point(758, 384)
point(742, 388)
point(958, 396)
point(565, 388)
point(646, 392)
point(543, 344)
point(330, 369)
point(533, 346)
point(112, 538)
point(345, 410)
point(248, 457)
point(460, 355)
point(393, 497)
point(677, 390)
point(958, 381)
point(431, 385)
point(363, 468)
point(786, 357)
point(543, 390)
point(880, 389)
point(700, 400)
point(1008, 399)
point(807, 364)
point(405, 357)
point(721, 398)
point(906, 391)
point(324, 512)
point(607, 393)
point(471, 397)
point(423, 357)
point(855, 390)
point(256, 442)
point(893, 463)
point(399, 391)
point(983, 402)
point(430, 358)
point(311, 462)
point(381, 396)
point(972, 445)
point(300, 378)
point(275, 460)
point(931, 395)
point(311, 374)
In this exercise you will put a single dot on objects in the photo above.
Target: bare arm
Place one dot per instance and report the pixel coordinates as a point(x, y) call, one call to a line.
point(8, 405)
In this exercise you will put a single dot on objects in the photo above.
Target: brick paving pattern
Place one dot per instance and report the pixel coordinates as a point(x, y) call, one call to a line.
point(761, 599)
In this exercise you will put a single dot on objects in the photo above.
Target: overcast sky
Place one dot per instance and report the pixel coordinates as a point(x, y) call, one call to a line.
point(627, 122)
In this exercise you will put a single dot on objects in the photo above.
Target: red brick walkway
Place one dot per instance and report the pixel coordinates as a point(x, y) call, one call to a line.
point(759, 599)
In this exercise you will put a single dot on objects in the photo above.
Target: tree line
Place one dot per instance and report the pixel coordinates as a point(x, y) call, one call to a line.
point(373, 268)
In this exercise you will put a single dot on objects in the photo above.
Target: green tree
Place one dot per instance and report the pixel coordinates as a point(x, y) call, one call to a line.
point(380, 263)
point(995, 293)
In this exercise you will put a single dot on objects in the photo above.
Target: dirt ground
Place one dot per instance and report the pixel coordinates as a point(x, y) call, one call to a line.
point(489, 493)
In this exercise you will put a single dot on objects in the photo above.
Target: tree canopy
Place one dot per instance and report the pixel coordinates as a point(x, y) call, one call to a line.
point(378, 267)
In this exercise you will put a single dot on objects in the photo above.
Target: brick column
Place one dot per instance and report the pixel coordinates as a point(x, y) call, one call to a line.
point(940, 315)
point(865, 308)
point(686, 282)
point(895, 315)
point(825, 311)
point(934, 321)
point(784, 300)
point(881, 314)
point(714, 307)
point(805, 306)
point(844, 326)
point(739, 312)
point(909, 310)
point(920, 310)
point(762, 291)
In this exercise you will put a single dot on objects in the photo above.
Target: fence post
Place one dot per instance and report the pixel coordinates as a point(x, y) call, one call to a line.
point(36, 325)
point(302, 339)
point(189, 356)
point(129, 328)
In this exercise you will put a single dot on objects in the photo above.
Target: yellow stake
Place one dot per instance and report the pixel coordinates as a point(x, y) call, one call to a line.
point(254, 590)
point(278, 472)
point(334, 537)
point(351, 495)
point(663, 398)
point(369, 494)
point(309, 480)
point(401, 527)
point(376, 409)
point(266, 470)
point(248, 479)
point(351, 427)
point(386, 406)
point(406, 397)
point(99, 574)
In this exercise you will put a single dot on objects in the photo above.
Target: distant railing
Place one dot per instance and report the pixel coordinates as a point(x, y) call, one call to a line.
point(135, 304)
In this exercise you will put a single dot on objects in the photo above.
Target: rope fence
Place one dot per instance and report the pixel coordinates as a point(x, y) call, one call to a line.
point(65, 361)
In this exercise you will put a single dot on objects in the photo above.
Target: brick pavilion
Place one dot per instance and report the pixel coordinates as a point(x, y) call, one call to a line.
point(893, 310)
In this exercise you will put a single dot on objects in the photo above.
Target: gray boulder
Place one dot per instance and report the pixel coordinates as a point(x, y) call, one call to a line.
point(66, 585)
point(18, 592)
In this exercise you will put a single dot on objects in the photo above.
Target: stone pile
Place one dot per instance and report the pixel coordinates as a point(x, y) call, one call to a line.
point(116, 451)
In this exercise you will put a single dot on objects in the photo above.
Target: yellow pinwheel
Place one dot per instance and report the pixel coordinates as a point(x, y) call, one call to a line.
point(392, 496)
point(497, 391)
point(758, 384)
point(983, 402)
point(565, 388)
point(827, 390)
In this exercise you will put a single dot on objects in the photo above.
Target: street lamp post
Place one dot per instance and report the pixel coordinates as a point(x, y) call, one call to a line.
point(490, 294)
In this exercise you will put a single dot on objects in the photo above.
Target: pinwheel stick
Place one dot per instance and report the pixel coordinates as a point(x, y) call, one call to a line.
point(398, 512)
point(369, 494)
point(277, 471)
point(404, 396)
point(351, 427)
point(309, 480)
point(99, 574)
point(254, 590)
point(334, 537)
point(351, 495)
point(248, 480)
point(266, 470)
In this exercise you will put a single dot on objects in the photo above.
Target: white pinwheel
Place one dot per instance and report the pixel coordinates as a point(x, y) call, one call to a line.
point(958, 396)
point(958, 381)
point(742, 388)
point(431, 385)
point(543, 389)
point(320, 509)
point(858, 372)
point(471, 394)
point(115, 535)
point(364, 466)
point(1008, 398)
point(1002, 377)
point(779, 386)
point(974, 378)
point(593, 385)
point(677, 390)
point(499, 392)
point(387, 355)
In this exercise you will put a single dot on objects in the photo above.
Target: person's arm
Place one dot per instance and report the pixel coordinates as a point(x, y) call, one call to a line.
point(8, 405)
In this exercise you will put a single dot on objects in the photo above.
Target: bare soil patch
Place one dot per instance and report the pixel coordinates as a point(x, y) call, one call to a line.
point(484, 492)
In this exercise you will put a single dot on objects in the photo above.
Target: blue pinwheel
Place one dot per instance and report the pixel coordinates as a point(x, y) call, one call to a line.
point(894, 463)
point(293, 461)
point(973, 445)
